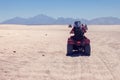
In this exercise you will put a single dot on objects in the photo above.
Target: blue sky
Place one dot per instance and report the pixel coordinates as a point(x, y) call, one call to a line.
point(87, 9)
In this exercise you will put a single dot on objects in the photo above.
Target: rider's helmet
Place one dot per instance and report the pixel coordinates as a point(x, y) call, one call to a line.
point(77, 23)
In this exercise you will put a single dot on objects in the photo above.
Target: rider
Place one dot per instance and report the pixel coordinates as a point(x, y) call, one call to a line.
point(78, 30)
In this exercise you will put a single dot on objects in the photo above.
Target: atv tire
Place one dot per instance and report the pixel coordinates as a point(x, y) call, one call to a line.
point(69, 49)
point(87, 50)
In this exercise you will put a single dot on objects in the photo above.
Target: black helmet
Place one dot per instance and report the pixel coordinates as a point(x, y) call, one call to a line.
point(77, 24)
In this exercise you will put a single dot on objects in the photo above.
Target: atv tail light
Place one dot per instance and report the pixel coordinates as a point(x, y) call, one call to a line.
point(78, 42)
point(70, 41)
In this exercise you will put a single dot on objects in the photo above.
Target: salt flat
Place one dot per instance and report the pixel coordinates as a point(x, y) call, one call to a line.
point(39, 53)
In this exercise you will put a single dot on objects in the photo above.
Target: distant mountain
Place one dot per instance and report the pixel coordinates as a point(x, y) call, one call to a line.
point(16, 20)
point(105, 20)
point(40, 19)
point(46, 20)
point(36, 20)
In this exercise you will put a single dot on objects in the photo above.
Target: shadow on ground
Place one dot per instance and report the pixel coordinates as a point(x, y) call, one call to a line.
point(76, 54)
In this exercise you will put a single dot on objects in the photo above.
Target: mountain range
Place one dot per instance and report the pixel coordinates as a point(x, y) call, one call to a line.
point(47, 20)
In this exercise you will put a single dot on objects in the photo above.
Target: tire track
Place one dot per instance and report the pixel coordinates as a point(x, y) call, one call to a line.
point(110, 59)
point(110, 71)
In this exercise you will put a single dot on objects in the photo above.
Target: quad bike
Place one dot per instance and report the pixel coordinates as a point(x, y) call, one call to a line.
point(78, 46)
point(81, 47)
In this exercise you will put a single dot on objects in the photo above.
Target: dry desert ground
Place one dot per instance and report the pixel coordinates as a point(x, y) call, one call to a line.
point(39, 53)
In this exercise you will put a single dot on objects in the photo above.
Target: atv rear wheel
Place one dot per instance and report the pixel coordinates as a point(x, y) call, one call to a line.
point(69, 49)
point(87, 50)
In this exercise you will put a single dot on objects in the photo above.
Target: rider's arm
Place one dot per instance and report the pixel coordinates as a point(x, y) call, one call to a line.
point(84, 29)
point(72, 31)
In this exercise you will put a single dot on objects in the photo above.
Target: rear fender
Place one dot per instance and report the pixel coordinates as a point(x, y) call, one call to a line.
point(70, 41)
point(86, 41)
